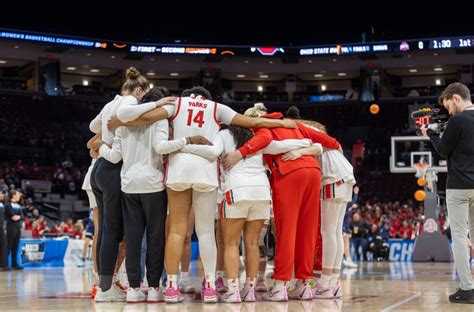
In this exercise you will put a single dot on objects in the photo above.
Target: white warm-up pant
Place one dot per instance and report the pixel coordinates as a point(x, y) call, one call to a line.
point(204, 205)
point(332, 217)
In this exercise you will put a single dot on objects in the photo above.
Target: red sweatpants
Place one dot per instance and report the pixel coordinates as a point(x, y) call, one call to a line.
point(318, 252)
point(296, 210)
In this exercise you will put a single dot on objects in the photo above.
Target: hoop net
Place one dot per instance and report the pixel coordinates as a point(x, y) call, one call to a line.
point(421, 168)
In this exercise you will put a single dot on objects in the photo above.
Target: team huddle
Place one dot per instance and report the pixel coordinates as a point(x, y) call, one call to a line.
point(163, 166)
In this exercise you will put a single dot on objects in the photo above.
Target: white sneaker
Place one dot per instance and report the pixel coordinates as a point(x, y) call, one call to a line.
point(350, 264)
point(321, 292)
point(114, 294)
point(135, 295)
point(230, 297)
point(273, 294)
point(248, 294)
point(301, 291)
point(185, 287)
point(155, 295)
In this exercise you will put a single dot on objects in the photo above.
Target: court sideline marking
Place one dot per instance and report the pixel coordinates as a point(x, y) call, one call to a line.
point(395, 305)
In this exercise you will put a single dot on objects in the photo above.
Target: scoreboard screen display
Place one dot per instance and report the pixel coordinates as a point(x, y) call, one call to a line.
point(413, 123)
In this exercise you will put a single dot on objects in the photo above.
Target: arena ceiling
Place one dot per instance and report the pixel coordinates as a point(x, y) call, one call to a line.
point(242, 22)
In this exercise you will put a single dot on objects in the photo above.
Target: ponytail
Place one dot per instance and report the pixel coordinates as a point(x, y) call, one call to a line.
point(258, 110)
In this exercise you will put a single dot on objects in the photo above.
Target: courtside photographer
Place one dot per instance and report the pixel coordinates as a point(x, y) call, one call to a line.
point(457, 145)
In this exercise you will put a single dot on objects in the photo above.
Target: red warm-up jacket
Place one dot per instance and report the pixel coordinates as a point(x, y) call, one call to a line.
point(264, 136)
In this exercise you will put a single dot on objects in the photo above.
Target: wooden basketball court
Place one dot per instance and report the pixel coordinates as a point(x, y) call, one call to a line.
point(387, 286)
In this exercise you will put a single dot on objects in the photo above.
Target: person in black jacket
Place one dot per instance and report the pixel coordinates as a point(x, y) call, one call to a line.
point(358, 229)
point(3, 240)
point(13, 215)
point(457, 145)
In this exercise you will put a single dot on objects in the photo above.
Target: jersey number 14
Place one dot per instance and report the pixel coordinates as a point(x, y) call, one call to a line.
point(198, 118)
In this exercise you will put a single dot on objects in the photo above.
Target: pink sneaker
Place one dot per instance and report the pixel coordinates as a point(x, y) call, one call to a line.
point(210, 295)
point(301, 291)
point(220, 286)
point(321, 292)
point(172, 295)
point(261, 286)
point(230, 297)
point(337, 291)
point(247, 294)
point(276, 295)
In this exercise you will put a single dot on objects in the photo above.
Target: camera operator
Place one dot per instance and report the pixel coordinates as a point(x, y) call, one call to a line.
point(457, 145)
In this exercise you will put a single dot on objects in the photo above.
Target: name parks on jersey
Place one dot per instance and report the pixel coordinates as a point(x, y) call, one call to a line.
point(198, 104)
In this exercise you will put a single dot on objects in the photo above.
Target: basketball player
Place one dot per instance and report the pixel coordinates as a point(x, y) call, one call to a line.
point(105, 182)
point(92, 228)
point(336, 190)
point(95, 226)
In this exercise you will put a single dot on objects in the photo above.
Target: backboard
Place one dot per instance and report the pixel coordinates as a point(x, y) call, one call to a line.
point(408, 150)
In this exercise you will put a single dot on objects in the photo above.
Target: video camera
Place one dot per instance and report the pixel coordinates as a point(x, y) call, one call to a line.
point(434, 118)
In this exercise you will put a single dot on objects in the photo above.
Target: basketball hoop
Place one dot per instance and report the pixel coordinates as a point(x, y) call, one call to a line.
point(421, 168)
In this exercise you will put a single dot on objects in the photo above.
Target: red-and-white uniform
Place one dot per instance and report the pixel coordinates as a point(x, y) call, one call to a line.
point(337, 176)
point(195, 116)
point(247, 189)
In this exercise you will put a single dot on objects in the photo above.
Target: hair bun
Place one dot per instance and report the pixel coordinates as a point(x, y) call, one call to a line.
point(260, 106)
point(132, 73)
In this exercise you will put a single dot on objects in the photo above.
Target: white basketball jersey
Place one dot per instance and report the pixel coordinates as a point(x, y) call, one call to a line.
point(196, 116)
point(335, 167)
point(247, 172)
